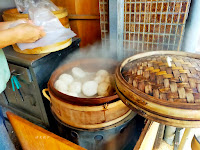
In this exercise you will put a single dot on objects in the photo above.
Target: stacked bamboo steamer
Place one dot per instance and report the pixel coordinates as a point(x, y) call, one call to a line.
point(86, 113)
point(163, 86)
point(61, 14)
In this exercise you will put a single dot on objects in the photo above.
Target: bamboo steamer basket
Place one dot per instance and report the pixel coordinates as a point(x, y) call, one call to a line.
point(46, 49)
point(168, 93)
point(86, 113)
point(61, 14)
point(88, 117)
point(13, 14)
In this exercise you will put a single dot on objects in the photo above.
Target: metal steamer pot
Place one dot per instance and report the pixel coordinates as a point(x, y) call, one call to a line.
point(121, 135)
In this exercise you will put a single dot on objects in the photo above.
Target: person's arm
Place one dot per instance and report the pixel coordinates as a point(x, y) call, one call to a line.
point(7, 37)
point(8, 24)
point(5, 25)
point(23, 33)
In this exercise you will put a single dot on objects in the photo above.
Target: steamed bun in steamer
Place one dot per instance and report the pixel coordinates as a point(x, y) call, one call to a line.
point(104, 89)
point(110, 79)
point(89, 88)
point(78, 72)
point(66, 78)
point(107, 79)
point(102, 73)
point(85, 84)
point(61, 86)
point(99, 79)
point(75, 87)
point(72, 94)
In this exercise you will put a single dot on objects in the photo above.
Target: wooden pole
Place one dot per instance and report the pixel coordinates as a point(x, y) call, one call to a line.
point(149, 139)
point(159, 136)
point(187, 138)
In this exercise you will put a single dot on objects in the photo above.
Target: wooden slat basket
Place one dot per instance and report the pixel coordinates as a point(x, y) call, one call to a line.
point(163, 86)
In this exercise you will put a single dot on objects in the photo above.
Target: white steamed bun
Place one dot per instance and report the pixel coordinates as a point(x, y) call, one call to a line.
point(78, 72)
point(89, 88)
point(75, 87)
point(102, 73)
point(66, 78)
point(99, 79)
point(72, 94)
point(61, 86)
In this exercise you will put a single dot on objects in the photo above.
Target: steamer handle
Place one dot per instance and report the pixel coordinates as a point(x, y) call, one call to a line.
point(46, 95)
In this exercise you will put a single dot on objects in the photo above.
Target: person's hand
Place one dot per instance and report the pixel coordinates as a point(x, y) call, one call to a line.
point(28, 33)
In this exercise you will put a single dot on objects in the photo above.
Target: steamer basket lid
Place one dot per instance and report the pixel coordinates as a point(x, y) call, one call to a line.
point(168, 77)
point(162, 84)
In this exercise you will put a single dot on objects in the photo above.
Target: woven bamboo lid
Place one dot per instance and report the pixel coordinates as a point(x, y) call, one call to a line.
point(172, 78)
point(163, 86)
